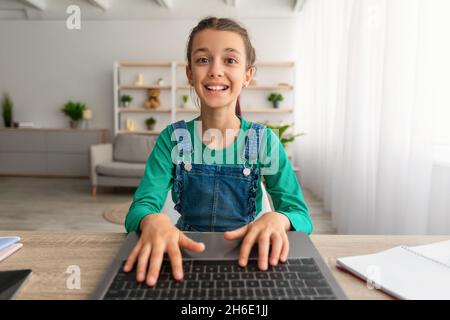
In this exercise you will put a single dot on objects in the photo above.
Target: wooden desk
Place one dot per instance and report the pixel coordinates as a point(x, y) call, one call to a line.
point(49, 255)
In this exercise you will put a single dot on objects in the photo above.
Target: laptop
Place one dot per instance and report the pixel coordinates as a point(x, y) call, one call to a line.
point(215, 274)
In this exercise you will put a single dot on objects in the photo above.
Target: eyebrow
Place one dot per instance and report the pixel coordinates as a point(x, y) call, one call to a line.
point(227, 50)
point(232, 50)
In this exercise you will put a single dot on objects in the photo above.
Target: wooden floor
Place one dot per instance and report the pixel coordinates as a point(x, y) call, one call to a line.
point(66, 204)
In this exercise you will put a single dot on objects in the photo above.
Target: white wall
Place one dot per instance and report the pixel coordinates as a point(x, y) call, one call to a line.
point(43, 64)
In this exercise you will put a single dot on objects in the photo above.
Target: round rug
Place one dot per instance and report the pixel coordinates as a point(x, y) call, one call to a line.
point(117, 213)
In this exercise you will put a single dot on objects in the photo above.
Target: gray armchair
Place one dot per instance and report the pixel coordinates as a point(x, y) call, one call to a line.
point(121, 163)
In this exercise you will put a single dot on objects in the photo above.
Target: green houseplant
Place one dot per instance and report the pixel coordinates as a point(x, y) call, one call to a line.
point(150, 122)
point(7, 110)
point(126, 99)
point(275, 98)
point(185, 98)
point(74, 110)
point(283, 134)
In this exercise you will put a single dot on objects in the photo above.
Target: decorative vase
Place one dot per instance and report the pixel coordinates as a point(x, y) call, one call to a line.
point(139, 80)
point(129, 125)
point(87, 118)
point(150, 127)
point(8, 121)
point(276, 104)
point(73, 124)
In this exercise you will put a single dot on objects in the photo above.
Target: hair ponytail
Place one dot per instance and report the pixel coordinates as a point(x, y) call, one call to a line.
point(238, 107)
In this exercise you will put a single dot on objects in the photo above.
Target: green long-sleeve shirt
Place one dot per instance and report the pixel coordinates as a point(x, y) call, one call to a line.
point(280, 180)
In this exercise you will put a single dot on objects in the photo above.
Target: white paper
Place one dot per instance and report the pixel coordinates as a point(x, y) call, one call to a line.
point(405, 274)
point(7, 241)
point(439, 251)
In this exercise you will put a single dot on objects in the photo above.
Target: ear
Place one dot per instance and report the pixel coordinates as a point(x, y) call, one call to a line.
point(189, 74)
point(248, 76)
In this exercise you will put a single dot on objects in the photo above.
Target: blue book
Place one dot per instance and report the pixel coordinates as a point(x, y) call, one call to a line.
point(5, 242)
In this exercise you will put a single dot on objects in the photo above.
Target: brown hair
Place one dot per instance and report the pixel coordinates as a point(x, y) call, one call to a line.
point(224, 24)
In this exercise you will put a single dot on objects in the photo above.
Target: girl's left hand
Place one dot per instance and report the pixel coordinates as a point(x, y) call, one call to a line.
point(268, 231)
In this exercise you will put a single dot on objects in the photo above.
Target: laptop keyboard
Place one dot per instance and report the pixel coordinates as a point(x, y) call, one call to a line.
point(297, 279)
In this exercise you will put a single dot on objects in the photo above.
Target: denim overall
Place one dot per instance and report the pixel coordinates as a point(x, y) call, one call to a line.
point(215, 198)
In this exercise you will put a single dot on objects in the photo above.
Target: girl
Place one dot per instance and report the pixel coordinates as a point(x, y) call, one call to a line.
point(211, 195)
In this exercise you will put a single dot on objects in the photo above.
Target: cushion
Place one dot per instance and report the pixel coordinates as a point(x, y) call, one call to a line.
point(133, 148)
point(121, 169)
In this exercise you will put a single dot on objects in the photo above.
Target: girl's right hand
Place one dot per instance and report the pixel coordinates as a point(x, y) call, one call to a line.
point(159, 236)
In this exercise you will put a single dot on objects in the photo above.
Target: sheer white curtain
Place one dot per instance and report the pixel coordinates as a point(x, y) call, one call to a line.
point(374, 100)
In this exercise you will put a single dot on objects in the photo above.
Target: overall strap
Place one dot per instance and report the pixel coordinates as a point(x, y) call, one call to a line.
point(183, 138)
point(253, 141)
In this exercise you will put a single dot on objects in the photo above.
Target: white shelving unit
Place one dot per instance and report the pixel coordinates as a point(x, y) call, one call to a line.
point(270, 77)
point(124, 78)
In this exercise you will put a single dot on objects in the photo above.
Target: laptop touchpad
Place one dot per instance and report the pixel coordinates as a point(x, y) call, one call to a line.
point(217, 246)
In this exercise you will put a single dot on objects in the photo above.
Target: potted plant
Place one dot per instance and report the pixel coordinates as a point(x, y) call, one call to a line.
point(7, 110)
point(74, 110)
point(126, 99)
point(185, 98)
point(150, 122)
point(285, 136)
point(275, 98)
point(283, 133)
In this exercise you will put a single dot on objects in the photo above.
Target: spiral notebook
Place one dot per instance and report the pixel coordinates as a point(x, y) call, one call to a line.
point(416, 273)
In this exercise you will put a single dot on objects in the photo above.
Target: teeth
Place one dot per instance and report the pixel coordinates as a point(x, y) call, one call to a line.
point(216, 88)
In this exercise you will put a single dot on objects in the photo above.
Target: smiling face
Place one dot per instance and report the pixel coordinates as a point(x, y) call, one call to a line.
point(218, 68)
